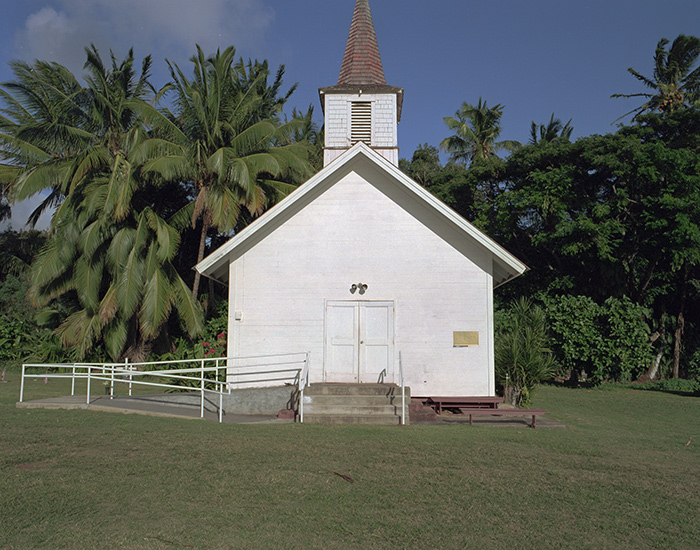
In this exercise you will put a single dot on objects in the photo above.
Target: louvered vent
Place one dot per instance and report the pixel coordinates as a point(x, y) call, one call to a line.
point(361, 123)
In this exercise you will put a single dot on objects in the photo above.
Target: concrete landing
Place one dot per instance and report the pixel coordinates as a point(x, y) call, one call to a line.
point(151, 405)
point(188, 407)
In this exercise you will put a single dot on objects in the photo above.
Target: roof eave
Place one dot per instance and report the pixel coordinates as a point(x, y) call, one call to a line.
point(359, 90)
point(511, 266)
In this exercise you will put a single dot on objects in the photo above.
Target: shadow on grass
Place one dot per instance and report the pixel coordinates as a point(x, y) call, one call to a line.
point(674, 386)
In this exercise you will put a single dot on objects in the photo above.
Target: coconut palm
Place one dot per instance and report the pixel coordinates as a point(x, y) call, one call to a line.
point(553, 131)
point(674, 82)
point(254, 75)
point(476, 129)
point(109, 252)
point(216, 140)
point(308, 132)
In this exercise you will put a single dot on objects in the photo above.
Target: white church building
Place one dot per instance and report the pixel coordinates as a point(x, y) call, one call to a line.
point(362, 266)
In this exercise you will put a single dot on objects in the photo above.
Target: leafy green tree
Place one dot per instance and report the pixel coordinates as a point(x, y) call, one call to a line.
point(615, 215)
point(599, 342)
point(18, 249)
point(217, 140)
point(48, 133)
point(253, 76)
point(554, 130)
point(5, 210)
point(674, 82)
point(424, 166)
point(453, 183)
point(523, 358)
point(108, 258)
point(307, 131)
point(476, 130)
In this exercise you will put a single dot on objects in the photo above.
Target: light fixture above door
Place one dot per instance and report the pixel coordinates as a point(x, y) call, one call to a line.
point(359, 287)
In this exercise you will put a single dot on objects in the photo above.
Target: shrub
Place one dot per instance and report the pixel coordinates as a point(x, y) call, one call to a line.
point(600, 342)
point(522, 356)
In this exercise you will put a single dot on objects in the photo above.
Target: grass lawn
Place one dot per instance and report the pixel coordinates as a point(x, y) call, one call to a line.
point(624, 473)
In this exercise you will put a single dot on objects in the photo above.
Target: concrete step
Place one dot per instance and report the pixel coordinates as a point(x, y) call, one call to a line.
point(383, 419)
point(351, 400)
point(353, 403)
point(355, 389)
point(330, 408)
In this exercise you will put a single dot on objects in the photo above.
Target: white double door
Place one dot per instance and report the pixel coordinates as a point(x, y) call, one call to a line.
point(359, 342)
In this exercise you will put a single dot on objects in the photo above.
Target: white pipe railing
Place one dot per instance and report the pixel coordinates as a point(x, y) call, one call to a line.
point(403, 392)
point(126, 372)
point(303, 383)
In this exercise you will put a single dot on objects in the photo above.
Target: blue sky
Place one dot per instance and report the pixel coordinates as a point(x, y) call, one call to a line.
point(535, 57)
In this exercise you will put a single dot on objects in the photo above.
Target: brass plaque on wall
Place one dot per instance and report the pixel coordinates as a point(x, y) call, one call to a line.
point(465, 338)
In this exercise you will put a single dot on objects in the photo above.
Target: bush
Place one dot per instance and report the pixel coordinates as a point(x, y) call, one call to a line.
point(600, 342)
point(522, 356)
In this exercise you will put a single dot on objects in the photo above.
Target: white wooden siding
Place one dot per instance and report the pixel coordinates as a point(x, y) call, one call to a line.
point(354, 234)
point(338, 129)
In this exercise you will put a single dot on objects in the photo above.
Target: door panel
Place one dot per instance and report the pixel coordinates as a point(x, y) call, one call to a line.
point(359, 342)
point(376, 341)
point(341, 343)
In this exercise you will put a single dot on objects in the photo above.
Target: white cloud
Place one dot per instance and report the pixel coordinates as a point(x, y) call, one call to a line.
point(50, 34)
point(164, 28)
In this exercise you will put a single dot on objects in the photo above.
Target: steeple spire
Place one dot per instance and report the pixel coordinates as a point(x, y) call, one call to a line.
point(361, 107)
point(362, 65)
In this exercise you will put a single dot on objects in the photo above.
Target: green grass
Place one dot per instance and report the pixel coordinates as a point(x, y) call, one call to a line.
point(624, 473)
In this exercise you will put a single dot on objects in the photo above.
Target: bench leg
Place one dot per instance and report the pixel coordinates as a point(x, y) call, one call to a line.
point(534, 421)
point(470, 420)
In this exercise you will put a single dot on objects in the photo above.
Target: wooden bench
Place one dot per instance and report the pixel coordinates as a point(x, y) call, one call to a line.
point(471, 402)
point(477, 411)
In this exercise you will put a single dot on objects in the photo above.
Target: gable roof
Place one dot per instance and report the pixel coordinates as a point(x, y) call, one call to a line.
point(359, 158)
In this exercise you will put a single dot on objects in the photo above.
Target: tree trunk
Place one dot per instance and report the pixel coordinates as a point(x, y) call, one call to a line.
point(654, 369)
point(511, 394)
point(200, 255)
point(211, 305)
point(660, 335)
point(680, 326)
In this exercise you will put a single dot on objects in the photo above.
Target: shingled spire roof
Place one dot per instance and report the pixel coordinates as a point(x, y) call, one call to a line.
point(362, 65)
point(362, 70)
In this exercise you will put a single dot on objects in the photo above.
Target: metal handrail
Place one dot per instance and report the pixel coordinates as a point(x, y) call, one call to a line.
point(125, 372)
point(303, 383)
point(403, 392)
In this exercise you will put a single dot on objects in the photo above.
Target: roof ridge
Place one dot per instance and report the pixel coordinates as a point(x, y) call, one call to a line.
point(362, 64)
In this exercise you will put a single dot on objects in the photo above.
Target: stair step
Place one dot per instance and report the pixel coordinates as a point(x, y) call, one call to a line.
point(384, 419)
point(354, 403)
point(351, 400)
point(330, 408)
point(355, 389)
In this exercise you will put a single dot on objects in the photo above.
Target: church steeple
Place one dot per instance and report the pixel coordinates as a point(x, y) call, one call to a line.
point(361, 107)
point(362, 65)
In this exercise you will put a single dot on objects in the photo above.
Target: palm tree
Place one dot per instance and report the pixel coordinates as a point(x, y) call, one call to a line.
point(551, 132)
point(476, 130)
point(674, 81)
point(108, 257)
point(253, 75)
point(216, 140)
point(308, 132)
